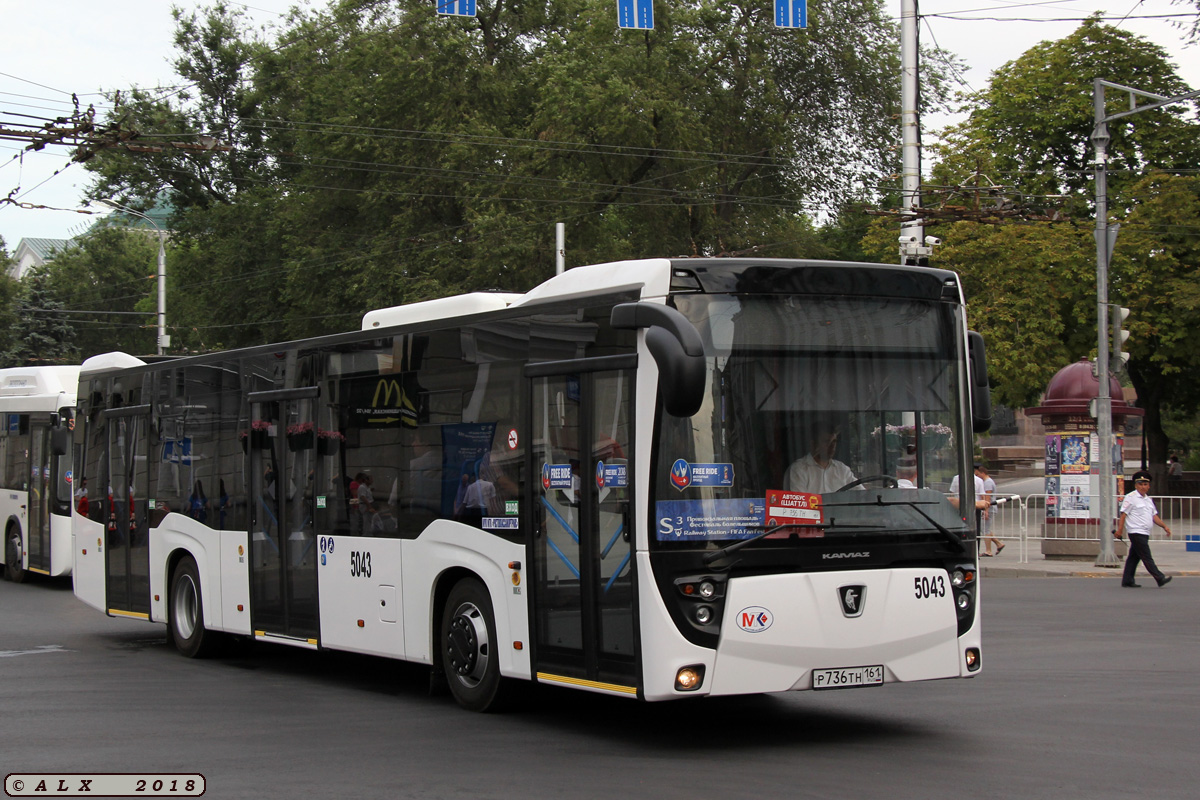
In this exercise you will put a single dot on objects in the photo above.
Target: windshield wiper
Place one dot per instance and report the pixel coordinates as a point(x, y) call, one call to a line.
point(715, 555)
point(946, 533)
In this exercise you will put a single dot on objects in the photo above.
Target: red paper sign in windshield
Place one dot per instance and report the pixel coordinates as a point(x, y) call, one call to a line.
point(793, 508)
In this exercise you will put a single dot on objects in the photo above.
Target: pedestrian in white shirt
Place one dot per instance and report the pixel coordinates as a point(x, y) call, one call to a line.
point(1138, 517)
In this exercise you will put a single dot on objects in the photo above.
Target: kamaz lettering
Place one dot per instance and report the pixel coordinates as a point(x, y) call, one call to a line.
point(864, 554)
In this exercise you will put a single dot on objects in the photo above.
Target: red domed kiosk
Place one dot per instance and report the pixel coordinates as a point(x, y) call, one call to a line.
point(1072, 525)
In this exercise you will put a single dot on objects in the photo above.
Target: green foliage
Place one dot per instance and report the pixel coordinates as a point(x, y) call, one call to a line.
point(37, 336)
point(375, 153)
point(108, 270)
point(1030, 291)
point(1032, 287)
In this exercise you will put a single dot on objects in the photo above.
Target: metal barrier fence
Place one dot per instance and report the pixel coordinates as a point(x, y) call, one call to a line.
point(1021, 520)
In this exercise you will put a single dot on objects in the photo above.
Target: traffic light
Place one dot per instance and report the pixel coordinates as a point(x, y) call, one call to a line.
point(1119, 356)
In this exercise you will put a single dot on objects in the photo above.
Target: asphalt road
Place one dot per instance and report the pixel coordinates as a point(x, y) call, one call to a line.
point(1081, 680)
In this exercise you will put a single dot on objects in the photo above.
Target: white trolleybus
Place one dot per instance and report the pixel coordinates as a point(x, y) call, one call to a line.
point(37, 408)
point(603, 483)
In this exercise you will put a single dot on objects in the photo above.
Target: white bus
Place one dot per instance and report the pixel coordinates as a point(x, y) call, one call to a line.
point(37, 407)
point(586, 485)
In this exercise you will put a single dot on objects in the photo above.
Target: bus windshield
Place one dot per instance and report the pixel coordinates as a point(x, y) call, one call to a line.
point(823, 416)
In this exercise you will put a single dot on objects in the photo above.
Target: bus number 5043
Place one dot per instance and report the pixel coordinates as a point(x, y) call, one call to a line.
point(360, 564)
point(926, 587)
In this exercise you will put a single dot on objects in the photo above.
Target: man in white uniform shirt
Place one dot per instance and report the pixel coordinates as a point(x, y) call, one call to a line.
point(1138, 517)
point(819, 472)
point(982, 501)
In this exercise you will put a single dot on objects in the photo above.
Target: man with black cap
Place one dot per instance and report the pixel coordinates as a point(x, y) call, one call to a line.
point(1138, 517)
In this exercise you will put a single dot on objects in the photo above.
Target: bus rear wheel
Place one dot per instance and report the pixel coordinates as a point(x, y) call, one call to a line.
point(185, 613)
point(13, 569)
point(469, 649)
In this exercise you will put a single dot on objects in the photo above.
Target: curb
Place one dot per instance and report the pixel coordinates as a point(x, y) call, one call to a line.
point(1112, 572)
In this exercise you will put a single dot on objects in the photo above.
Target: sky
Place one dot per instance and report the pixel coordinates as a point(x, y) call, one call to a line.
point(50, 50)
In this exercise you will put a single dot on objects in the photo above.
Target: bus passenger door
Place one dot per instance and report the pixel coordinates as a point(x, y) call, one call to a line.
point(126, 511)
point(39, 500)
point(584, 621)
point(283, 565)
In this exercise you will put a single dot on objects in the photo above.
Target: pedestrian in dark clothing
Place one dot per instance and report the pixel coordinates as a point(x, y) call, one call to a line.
point(1138, 517)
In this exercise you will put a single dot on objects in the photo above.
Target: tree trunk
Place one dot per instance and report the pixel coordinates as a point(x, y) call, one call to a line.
point(1150, 400)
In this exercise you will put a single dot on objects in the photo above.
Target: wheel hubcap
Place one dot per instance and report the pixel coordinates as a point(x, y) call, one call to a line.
point(467, 645)
point(184, 608)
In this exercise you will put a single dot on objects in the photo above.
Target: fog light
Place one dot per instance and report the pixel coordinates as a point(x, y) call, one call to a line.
point(704, 615)
point(964, 601)
point(688, 679)
point(972, 658)
point(707, 590)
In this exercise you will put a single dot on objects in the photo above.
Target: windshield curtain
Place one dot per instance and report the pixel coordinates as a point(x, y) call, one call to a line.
point(806, 396)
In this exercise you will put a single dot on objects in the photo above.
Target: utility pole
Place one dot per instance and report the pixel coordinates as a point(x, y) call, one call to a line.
point(913, 248)
point(1104, 433)
point(560, 248)
point(163, 340)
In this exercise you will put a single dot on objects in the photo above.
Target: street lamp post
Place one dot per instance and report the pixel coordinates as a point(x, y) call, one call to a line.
point(1104, 245)
point(164, 341)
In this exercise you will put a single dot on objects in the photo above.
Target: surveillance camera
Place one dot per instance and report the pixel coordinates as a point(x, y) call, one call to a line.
point(908, 240)
point(932, 241)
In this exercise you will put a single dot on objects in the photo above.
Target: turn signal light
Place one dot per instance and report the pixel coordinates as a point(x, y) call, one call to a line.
point(688, 679)
point(361, 624)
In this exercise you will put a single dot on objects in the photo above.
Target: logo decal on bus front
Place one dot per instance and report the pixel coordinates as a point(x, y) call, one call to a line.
point(681, 474)
point(853, 599)
point(754, 619)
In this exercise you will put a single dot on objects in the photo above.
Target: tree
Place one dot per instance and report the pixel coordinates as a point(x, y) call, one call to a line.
point(1031, 129)
point(1027, 289)
point(1031, 126)
point(381, 154)
point(1155, 274)
point(8, 292)
point(38, 336)
point(108, 270)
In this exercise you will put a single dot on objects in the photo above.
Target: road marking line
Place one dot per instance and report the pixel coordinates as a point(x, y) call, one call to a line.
point(43, 648)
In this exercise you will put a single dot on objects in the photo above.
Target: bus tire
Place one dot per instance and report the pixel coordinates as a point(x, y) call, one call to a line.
point(13, 569)
point(185, 613)
point(469, 649)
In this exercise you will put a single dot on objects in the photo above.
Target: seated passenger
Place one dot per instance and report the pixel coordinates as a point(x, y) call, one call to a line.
point(819, 472)
point(906, 473)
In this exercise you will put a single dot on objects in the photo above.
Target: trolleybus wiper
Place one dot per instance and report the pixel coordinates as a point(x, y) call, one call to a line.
point(715, 555)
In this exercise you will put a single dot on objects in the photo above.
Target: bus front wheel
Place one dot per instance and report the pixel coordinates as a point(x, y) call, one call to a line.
point(469, 648)
point(13, 569)
point(186, 613)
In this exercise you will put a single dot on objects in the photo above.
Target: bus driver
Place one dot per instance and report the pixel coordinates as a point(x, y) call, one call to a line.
point(819, 472)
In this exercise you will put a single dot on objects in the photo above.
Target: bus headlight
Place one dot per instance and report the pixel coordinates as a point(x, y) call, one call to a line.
point(704, 615)
point(707, 590)
point(963, 601)
point(689, 678)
